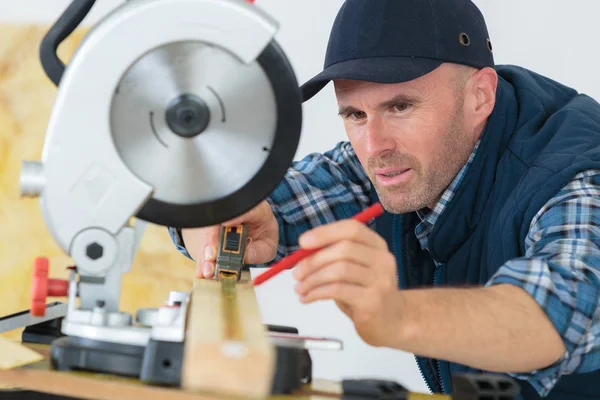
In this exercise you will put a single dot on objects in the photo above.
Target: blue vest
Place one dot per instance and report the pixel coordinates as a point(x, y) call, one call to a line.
point(539, 136)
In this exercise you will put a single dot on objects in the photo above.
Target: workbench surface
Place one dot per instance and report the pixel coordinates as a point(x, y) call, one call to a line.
point(39, 377)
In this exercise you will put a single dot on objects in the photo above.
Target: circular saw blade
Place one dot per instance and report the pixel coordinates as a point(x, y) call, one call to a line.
point(220, 159)
point(226, 166)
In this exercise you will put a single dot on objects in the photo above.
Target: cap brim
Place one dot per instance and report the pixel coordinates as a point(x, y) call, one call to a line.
point(378, 69)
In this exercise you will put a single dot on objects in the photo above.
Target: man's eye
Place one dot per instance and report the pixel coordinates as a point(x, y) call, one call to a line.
point(357, 115)
point(401, 107)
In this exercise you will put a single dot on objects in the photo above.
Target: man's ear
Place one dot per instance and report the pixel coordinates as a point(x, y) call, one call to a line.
point(482, 93)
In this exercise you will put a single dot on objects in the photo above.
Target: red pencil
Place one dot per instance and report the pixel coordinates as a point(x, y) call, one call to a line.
point(288, 262)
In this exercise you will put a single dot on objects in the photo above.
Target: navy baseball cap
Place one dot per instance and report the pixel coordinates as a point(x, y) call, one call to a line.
point(392, 41)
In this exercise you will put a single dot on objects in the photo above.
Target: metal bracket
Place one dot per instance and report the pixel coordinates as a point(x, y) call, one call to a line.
point(24, 319)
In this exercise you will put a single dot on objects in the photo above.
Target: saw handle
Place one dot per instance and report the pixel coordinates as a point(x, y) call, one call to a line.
point(63, 27)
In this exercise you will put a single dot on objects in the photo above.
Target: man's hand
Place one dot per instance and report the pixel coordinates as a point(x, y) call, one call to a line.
point(263, 234)
point(356, 269)
point(498, 328)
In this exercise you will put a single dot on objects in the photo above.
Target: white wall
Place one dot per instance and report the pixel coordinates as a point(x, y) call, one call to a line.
point(556, 38)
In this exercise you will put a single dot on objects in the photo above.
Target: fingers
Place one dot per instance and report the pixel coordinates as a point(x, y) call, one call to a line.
point(260, 251)
point(347, 294)
point(346, 309)
point(205, 270)
point(202, 244)
point(263, 233)
point(256, 216)
point(340, 272)
point(345, 250)
point(209, 242)
point(348, 229)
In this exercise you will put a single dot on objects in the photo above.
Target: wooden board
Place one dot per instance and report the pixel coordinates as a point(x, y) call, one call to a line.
point(40, 377)
point(227, 349)
point(14, 355)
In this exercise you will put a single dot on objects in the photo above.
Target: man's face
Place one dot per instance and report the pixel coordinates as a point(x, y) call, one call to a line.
point(411, 138)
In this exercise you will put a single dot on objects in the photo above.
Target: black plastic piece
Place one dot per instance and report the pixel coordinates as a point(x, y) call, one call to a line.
point(306, 367)
point(232, 240)
point(62, 28)
point(282, 329)
point(162, 363)
point(293, 369)
point(43, 333)
point(484, 387)
point(293, 366)
point(73, 353)
point(370, 389)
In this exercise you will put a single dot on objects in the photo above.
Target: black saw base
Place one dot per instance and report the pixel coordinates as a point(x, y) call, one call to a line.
point(159, 363)
point(70, 353)
point(162, 363)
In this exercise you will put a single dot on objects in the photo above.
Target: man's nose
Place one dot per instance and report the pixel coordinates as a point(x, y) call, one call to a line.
point(379, 137)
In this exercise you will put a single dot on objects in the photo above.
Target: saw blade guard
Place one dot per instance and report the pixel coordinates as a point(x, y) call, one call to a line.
point(182, 113)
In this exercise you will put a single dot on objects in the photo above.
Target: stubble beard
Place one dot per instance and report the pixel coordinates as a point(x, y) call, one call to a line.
point(426, 186)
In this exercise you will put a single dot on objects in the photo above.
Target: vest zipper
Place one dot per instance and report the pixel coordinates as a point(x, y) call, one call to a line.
point(395, 248)
point(439, 368)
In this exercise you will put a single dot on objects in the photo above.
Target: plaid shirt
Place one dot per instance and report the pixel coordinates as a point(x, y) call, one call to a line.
point(560, 270)
point(429, 217)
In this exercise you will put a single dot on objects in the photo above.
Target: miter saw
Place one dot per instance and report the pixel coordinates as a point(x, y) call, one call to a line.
point(181, 113)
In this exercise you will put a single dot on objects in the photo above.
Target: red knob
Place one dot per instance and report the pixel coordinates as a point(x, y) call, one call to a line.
point(42, 287)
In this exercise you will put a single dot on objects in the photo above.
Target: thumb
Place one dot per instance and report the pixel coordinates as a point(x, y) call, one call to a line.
point(259, 252)
point(251, 254)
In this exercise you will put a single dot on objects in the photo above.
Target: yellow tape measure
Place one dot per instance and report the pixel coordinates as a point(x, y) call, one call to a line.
point(230, 262)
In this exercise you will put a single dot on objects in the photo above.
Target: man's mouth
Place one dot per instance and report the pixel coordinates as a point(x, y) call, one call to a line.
point(393, 174)
point(388, 176)
point(389, 172)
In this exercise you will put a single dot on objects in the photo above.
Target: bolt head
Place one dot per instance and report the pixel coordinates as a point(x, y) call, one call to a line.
point(94, 251)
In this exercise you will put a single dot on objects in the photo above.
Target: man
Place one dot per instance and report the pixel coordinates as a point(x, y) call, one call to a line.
point(488, 255)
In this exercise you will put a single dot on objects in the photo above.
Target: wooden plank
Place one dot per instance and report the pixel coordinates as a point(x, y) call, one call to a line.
point(13, 355)
point(227, 350)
